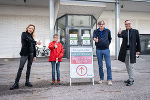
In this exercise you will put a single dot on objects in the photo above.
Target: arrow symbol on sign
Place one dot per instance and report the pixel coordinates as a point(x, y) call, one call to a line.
point(81, 69)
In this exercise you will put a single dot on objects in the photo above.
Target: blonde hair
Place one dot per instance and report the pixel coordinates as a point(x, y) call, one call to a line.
point(33, 33)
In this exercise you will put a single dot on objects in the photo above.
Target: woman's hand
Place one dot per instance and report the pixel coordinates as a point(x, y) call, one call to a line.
point(137, 53)
point(39, 43)
point(34, 59)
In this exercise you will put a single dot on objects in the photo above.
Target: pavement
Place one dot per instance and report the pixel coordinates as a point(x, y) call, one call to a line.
point(81, 89)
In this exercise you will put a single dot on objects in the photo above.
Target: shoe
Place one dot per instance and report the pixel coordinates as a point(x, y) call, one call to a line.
point(28, 84)
point(15, 86)
point(101, 81)
point(53, 82)
point(127, 81)
point(109, 82)
point(58, 81)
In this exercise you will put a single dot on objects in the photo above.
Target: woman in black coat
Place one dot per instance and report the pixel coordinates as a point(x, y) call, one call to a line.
point(28, 52)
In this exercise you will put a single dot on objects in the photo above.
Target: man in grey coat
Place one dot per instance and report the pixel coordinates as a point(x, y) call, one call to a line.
point(129, 49)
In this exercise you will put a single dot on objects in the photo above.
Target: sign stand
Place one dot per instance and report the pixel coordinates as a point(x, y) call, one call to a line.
point(81, 63)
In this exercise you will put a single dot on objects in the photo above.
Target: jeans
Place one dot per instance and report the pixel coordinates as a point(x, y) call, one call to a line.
point(106, 54)
point(23, 60)
point(57, 69)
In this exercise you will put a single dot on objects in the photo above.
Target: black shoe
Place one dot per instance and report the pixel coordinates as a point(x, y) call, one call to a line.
point(28, 84)
point(15, 86)
point(129, 83)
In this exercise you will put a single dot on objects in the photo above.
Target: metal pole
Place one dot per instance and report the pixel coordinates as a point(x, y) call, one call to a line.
point(51, 9)
point(117, 20)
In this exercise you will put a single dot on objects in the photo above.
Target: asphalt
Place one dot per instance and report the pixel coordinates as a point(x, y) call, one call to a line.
point(81, 89)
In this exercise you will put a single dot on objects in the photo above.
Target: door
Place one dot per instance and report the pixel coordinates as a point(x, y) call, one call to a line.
point(78, 37)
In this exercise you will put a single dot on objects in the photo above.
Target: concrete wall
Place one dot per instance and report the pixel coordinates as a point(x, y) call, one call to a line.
point(14, 20)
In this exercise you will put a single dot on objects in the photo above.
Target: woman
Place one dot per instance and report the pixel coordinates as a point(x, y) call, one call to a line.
point(28, 52)
point(55, 58)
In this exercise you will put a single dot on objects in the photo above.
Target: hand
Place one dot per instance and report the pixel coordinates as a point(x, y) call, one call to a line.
point(96, 39)
point(39, 43)
point(34, 59)
point(137, 53)
point(55, 46)
point(120, 31)
point(56, 60)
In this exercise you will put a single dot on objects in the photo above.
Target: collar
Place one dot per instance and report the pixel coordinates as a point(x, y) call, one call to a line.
point(102, 30)
point(28, 33)
point(129, 29)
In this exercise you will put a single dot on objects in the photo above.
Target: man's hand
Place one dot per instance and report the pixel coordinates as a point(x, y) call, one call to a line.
point(137, 53)
point(96, 39)
point(34, 59)
point(39, 43)
point(120, 31)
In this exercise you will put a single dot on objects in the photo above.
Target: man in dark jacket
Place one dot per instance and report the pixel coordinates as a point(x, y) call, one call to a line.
point(129, 48)
point(102, 38)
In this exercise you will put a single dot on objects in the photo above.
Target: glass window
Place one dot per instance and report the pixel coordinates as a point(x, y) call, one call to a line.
point(78, 20)
point(62, 32)
point(73, 36)
point(145, 43)
point(86, 37)
point(62, 22)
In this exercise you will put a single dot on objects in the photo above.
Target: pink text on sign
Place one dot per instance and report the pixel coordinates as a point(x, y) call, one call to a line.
point(81, 59)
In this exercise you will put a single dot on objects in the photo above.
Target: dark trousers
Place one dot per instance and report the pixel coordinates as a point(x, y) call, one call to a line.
point(23, 60)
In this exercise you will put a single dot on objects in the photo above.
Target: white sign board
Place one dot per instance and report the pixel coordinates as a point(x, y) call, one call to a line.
point(73, 39)
point(86, 39)
point(81, 63)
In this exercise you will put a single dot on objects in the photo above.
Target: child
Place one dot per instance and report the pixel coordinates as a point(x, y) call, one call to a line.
point(56, 54)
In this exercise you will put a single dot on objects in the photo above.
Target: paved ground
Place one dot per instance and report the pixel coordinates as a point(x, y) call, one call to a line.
point(81, 89)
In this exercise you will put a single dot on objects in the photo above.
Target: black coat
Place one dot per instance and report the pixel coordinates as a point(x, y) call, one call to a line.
point(134, 45)
point(28, 44)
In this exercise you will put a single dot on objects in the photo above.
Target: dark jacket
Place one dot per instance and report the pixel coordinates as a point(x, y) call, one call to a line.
point(134, 45)
point(104, 40)
point(28, 44)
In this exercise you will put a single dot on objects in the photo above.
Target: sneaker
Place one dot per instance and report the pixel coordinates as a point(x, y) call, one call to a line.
point(127, 81)
point(109, 82)
point(58, 81)
point(101, 81)
point(53, 82)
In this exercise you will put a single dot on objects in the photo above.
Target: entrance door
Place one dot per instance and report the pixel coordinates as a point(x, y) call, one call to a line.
point(78, 37)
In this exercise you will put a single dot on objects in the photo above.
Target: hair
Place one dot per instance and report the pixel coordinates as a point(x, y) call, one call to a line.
point(55, 35)
point(100, 22)
point(33, 33)
point(126, 20)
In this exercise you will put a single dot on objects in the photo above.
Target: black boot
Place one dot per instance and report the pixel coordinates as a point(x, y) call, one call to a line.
point(15, 86)
point(28, 84)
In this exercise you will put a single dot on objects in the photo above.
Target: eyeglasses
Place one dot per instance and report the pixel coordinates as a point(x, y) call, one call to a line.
point(128, 24)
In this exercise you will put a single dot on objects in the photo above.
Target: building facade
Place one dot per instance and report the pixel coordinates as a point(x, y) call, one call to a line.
point(78, 17)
